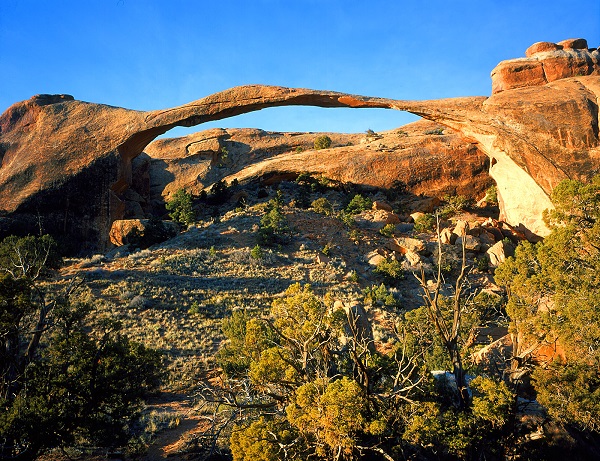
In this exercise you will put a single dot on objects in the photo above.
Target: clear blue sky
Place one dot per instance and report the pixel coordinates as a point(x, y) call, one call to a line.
point(152, 54)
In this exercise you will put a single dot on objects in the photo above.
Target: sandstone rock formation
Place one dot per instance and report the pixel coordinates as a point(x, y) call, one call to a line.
point(546, 62)
point(431, 164)
point(67, 164)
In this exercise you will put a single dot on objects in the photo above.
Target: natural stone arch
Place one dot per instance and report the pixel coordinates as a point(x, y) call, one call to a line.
point(60, 155)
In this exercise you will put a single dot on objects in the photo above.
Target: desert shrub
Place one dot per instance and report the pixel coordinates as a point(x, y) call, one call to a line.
point(28, 257)
point(261, 440)
point(323, 206)
point(71, 385)
point(347, 219)
point(274, 227)
point(482, 263)
point(257, 252)
point(379, 295)
point(436, 131)
point(454, 204)
point(322, 142)
point(180, 207)
point(491, 195)
point(425, 223)
point(355, 235)
point(390, 269)
point(223, 157)
point(359, 204)
point(387, 230)
point(554, 296)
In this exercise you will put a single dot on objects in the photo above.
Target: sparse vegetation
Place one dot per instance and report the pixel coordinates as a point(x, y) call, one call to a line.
point(491, 195)
point(273, 225)
point(454, 204)
point(355, 366)
point(390, 269)
point(61, 384)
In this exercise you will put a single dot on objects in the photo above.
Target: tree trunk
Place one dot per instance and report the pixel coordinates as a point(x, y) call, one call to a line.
point(459, 374)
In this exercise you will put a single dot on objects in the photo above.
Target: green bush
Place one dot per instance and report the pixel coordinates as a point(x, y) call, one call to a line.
point(180, 207)
point(454, 204)
point(379, 295)
point(326, 250)
point(257, 252)
point(28, 257)
point(491, 195)
point(322, 142)
point(390, 269)
point(323, 206)
point(387, 230)
point(425, 223)
point(273, 227)
point(359, 204)
point(73, 385)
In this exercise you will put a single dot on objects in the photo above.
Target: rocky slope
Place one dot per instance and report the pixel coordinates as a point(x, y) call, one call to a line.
point(68, 164)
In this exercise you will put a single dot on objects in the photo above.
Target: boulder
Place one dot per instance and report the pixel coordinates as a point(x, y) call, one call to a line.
point(424, 205)
point(541, 47)
point(447, 236)
point(379, 205)
point(123, 230)
point(574, 44)
point(322, 259)
point(498, 253)
point(413, 258)
point(376, 219)
point(486, 238)
point(359, 324)
point(141, 232)
point(461, 228)
point(472, 243)
point(375, 257)
point(405, 244)
point(416, 215)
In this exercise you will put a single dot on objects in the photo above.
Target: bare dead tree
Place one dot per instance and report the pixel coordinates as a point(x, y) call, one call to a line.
point(448, 332)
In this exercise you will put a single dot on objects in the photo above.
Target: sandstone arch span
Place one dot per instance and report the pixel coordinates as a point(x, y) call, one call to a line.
point(70, 160)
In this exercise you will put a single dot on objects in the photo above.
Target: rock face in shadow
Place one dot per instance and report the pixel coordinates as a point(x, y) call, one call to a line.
point(67, 166)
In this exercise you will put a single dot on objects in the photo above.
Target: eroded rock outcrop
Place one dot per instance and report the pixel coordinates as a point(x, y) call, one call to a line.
point(546, 62)
point(427, 159)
